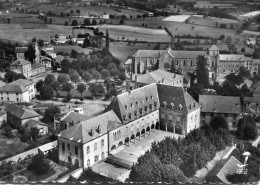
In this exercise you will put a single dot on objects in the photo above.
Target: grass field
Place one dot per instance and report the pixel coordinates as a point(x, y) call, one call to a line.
point(16, 33)
point(136, 33)
point(11, 148)
point(183, 28)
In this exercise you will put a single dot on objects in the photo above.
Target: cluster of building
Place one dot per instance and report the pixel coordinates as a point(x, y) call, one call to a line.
point(219, 65)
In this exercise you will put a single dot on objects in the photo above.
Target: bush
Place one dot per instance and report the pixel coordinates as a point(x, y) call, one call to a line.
point(39, 164)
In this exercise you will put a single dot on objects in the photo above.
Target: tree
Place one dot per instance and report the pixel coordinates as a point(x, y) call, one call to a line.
point(86, 76)
point(34, 133)
point(93, 88)
point(74, 23)
point(122, 21)
point(9, 20)
point(246, 128)
point(105, 73)
point(250, 132)
point(114, 72)
point(65, 65)
point(71, 11)
point(232, 48)
point(41, 43)
point(81, 87)
point(107, 40)
point(87, 22)
point(67, 87)
point(235, 79)
point(238, 178)
point(78, 11)
point(50, 112)
point(39, 164)
point(12, 76)
point(243, 50)
point(39, 85)
point(244, 72)
point(96, 75)
point(46, 92)
point(30, 53)
point(49, 79)
point(218, 122)
point(222, 37)
point(202, 71)
point(62, 78)
point(55, 86)
point(74, 78)
point(195, 90)
point(122, 76)
point(7, 132)
point(229, 39)
point(94, 22)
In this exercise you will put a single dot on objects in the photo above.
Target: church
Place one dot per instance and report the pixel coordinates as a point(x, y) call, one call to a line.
point(219, 65)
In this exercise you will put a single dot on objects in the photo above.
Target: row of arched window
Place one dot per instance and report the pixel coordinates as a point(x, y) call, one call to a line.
point(95, 146)
point(96, 158)
point(116, 135)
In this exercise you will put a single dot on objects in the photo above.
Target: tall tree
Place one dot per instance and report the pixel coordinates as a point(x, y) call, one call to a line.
point(74, 78)
point(50, 112)
point(86, 76)
point(39, 164)
point(30, 53)
point(202, 71)
point(65, 66)
point(46, 92)
point(107, 40)
point(62, 78)
point(218, 122)
point(50, 78)
point(39, 85)
point(81, 87)
point(96, 75)
point(67, 87)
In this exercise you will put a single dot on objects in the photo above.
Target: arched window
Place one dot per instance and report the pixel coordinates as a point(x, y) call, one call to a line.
point(96, 158)
point(102, 155)
point(88, 163)
point(88, 150)
point(95, 146)
point(102, 142)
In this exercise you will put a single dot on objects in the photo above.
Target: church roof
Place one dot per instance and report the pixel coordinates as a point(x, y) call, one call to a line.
point(232, 57)
point(214, 48)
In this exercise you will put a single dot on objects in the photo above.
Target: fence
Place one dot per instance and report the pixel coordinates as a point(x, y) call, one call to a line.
point(23, 155)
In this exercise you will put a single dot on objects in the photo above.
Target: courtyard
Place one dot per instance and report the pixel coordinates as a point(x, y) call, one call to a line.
point(117, 166)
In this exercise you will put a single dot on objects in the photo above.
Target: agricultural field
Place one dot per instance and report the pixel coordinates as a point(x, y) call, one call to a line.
point(182, 28)
point(251, 14)
point(122, 50)
point(212, 21)
point(136, 33)
point(16, 33)
point(67, 49)
point(45, 8)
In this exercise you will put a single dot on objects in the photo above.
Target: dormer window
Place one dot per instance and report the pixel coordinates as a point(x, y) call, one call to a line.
point(189, 106)
point(180, 107)
point(142, 101)
point(90, 132)
point(146, 98)
point(98, 129)
point(124, 118)
point(131, 104)
point(137, 103)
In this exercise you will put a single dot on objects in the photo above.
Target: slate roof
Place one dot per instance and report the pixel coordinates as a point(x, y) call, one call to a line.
point(186, 54)
point(176, 96)
point(82, 132)
point(21, 61)
point(220, 104)
point(74, 117)
point(13, 88)
point(223, 168)
point(231, 57)
point(36, 66)
point(22, 82)
point(157, 76)
point(20, 112)
point(131, 102)
point(33, 123)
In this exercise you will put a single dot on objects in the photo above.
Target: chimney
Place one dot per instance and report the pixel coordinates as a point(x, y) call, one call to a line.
point(135, 82)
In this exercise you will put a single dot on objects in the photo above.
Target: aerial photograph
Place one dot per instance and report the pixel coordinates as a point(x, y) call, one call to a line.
point(130, 91)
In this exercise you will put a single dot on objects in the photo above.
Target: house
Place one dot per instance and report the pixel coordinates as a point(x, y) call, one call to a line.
point(127, 118)
point(223, 168)
point(51, 54)
point(86, 143)
point(24, 66)
point(37, 69)
point(46, 61)
point(47, 148)
point(157, 76)
point(19, 115)
point(72, 118)
point(3, 117)
point(227, 106)
point(20, 52)
point(18, 91)
point(42, 127)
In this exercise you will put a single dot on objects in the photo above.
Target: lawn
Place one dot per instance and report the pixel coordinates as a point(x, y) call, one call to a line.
point(45, 8)
point(132, 33)
point(67, 49)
